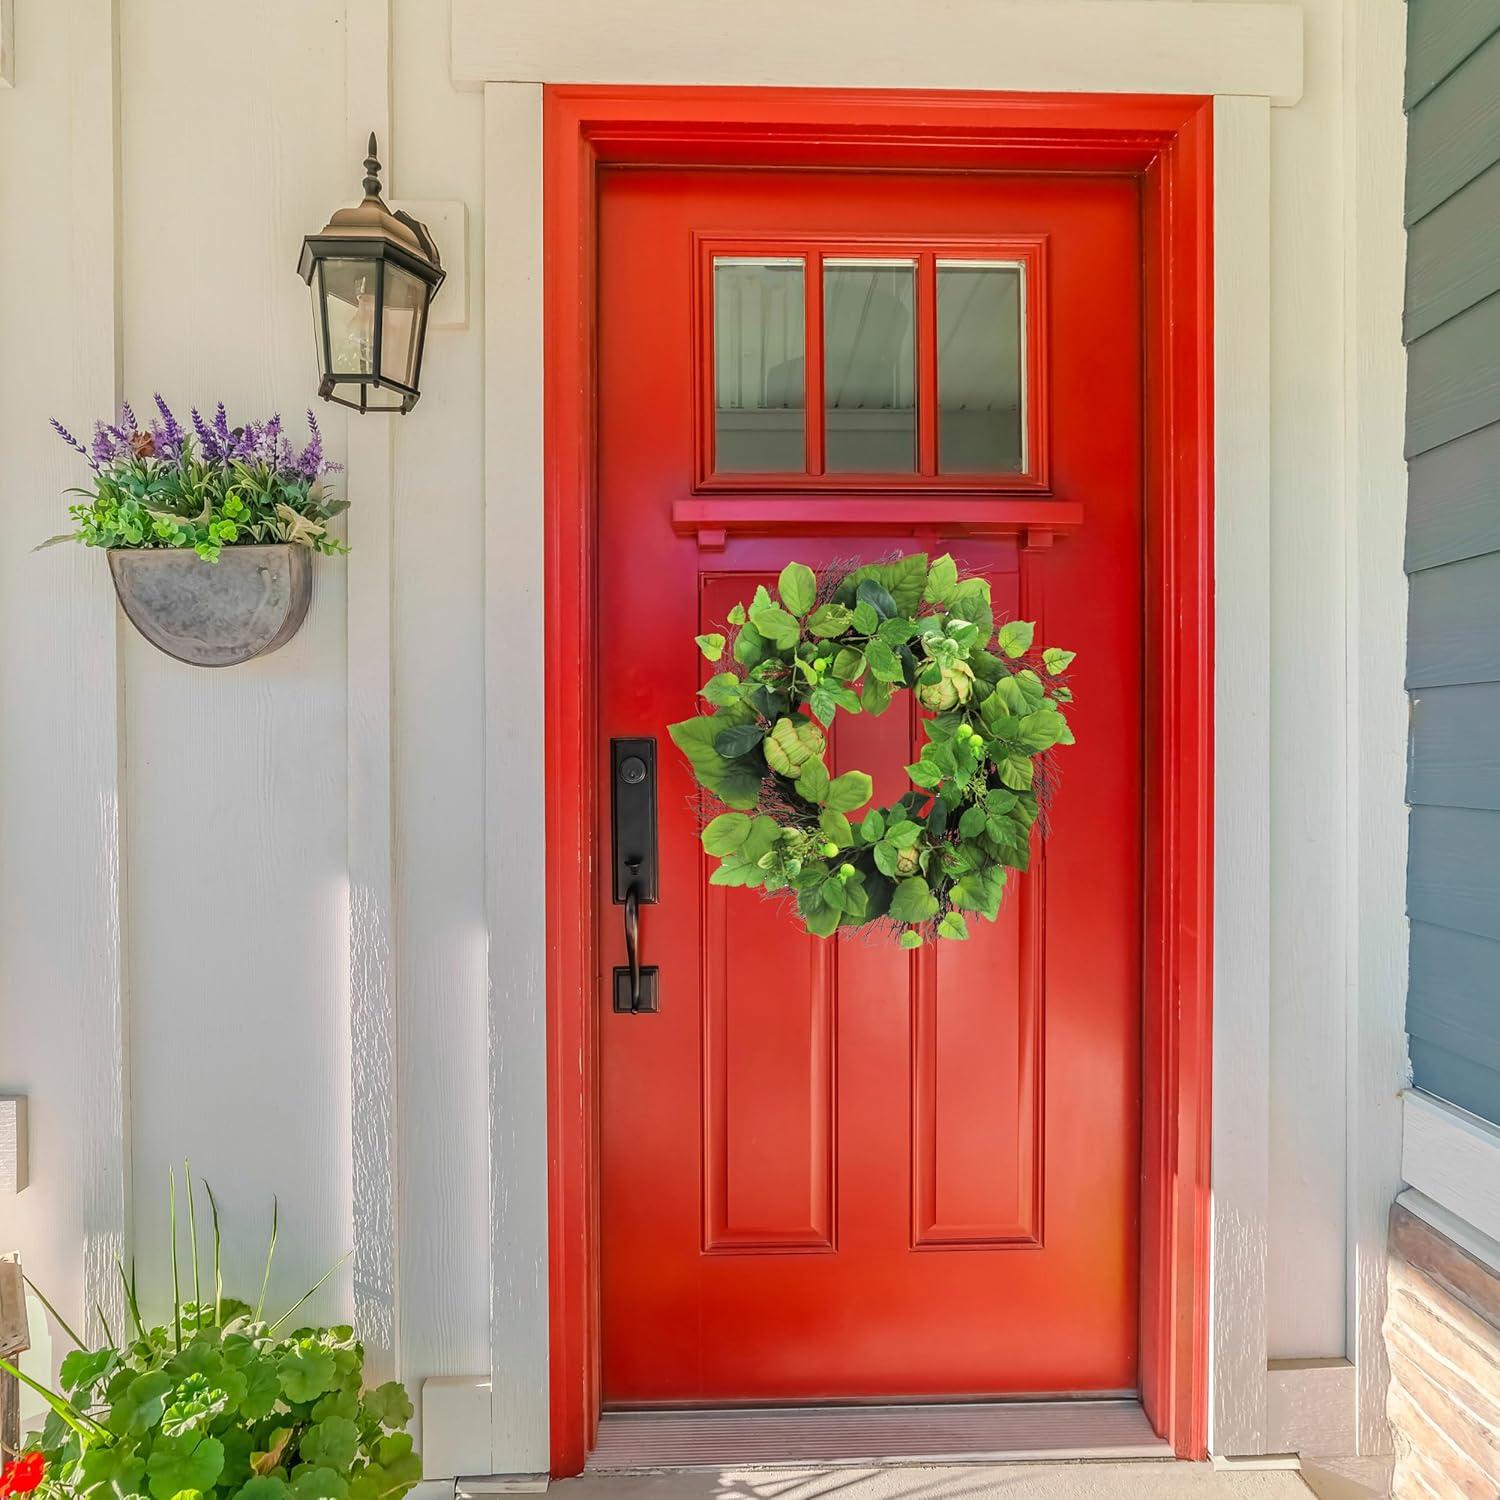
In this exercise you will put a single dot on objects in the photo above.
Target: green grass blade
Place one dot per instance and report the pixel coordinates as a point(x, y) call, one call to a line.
point(213, 1204)
point(187, 1177)
point(176, 1287)
point(109, 1333)
point(309, 1292)
point(80, 1421)
point(57, 1316)
point(265, 1281)
point(131, 1301)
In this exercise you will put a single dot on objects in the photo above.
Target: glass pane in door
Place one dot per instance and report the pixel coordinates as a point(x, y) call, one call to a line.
point(869, 366)
point(980, 365)
point(760, 419)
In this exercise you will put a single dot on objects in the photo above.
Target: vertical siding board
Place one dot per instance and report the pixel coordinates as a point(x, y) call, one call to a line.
point(1454, 624)
point(1454, 133)
point(1453, 879)
point(1455, 747)
point(1454, 506)
point(1453, 256)
point(1453, 378)
point(1440, 35)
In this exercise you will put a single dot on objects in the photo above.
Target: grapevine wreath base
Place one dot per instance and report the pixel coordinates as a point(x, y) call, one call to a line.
point(853, 639)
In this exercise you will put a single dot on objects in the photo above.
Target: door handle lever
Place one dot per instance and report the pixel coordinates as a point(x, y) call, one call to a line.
point(632, 940)
point(636, 991)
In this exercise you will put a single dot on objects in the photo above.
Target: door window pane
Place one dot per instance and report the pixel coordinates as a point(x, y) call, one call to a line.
point(981, 387)
point(869, 366)
point(759, 374)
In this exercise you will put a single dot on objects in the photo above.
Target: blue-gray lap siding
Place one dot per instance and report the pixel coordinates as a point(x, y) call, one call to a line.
point(1453, 547)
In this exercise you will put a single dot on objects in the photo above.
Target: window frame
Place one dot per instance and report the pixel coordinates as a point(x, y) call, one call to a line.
point(1027, 251)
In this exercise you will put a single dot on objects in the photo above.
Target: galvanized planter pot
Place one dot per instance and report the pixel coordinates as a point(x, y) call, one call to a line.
point(214, 614)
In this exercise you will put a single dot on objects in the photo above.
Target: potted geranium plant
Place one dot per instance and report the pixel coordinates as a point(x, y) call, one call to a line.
point(210, 529)
point(222, 1401)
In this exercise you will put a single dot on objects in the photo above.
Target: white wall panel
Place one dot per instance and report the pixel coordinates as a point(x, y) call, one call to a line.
point(232, 148)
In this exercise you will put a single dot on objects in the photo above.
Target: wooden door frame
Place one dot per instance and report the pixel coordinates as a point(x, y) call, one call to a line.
point(1167, 141)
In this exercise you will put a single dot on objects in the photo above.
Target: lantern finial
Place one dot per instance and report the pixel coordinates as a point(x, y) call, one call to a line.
point(372, 171)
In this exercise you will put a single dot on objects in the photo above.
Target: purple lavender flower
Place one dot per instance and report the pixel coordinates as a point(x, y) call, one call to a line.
point(310, 462)
point(127, 418)
point(169, 434)
point(208, 441)
point(68, 437)
point(107, 445)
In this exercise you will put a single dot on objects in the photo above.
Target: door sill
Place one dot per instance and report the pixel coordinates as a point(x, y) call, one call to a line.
point(990, 1431)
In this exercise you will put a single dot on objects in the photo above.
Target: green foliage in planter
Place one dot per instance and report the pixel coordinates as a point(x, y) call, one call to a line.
point(214, 486)
point(221, 1401)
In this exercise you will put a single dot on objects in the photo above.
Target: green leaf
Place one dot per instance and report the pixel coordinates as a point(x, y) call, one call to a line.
point(721, 690)
point(262, 1389)
point(910, 939)
point(189, 1462)
point(883, 663)
point(972, 823)
point(737, 614)
point(749, 647)
point(739, 739)
point(306, 1370)
point(1057, 661)
point(874, 694)
point(823, 704)
point(942, 577)
point(263, 1487)
point(712, 646)
point(331, 1443)
point(848, 665)
point(866, 618)
point(1016, 771)
point(111, 1471)
point(734, 782)
point(953, 926)
point(913, 901)
point(790, 745)
point(877, 597)
point(798, 587)
point(776, 625)
point(726, 833)
point(1015, 637)
point(979, 890)
point(836, 826)
point(926, 774)
point(873, 826)
point(82, 1369)
point(852, 789)
point(812, 783)
point(830, 620)
point(765, 831)
point(318, 1482)
point(389, 1404)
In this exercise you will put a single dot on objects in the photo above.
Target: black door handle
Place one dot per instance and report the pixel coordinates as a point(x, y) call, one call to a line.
point(634, 818)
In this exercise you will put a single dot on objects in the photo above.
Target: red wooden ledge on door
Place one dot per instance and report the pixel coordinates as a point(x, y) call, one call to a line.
point(1167, 142)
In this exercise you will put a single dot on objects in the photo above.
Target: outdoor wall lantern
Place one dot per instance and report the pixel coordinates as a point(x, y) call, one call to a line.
point(373, 275)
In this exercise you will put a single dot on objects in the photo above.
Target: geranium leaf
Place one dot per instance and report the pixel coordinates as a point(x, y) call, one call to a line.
point(798, 587)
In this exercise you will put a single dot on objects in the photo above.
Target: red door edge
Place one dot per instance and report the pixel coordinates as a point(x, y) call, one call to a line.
point(1167, 140)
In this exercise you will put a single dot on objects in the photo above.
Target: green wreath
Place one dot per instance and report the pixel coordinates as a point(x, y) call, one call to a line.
point(851, 639)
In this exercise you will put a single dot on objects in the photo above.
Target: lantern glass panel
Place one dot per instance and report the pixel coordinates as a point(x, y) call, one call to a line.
point(401, 325)
point(349, 291)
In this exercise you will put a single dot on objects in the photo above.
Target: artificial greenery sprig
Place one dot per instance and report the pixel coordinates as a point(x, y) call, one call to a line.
point(851, 640)
point(207, 487)
point(219, 1403)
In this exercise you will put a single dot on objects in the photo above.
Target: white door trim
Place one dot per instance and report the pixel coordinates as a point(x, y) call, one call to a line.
point(1250, 56)
point(1065, 46)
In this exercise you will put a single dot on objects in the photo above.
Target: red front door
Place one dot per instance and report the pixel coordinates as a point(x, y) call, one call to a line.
point(834, 1169)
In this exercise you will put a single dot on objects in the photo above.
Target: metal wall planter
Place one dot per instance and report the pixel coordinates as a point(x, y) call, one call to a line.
point(247, 604)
